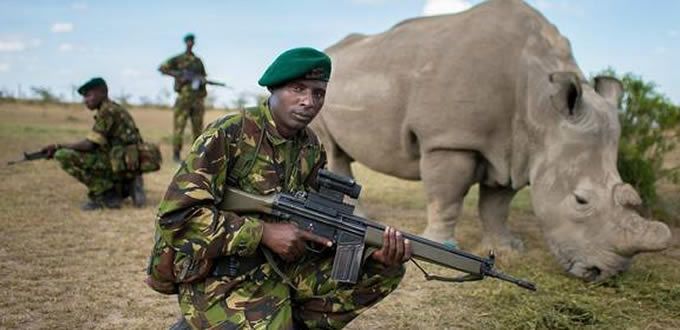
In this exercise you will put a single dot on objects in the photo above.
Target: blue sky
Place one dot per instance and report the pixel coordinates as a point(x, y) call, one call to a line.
point(60, 44)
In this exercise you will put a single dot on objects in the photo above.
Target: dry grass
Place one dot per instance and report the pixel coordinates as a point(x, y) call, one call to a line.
point(62, 268)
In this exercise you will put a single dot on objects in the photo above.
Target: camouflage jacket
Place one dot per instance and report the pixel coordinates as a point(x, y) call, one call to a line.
point(113, 126)
point(188, 219)
point(189, 62)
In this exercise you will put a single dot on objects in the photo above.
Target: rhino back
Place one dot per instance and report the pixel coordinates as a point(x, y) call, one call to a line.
point(443, 82)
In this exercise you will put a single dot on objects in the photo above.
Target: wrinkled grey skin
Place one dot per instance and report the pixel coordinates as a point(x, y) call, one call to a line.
point(492, 96)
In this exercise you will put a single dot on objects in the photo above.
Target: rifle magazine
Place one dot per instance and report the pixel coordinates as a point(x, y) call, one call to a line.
point(348, 257)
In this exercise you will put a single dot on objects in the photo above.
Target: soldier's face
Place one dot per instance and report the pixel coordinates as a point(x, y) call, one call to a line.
point(94, 97)
point(295, 104)
point(189, 43)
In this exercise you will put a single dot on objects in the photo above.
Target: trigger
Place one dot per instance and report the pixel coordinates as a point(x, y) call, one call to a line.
point(315, 247)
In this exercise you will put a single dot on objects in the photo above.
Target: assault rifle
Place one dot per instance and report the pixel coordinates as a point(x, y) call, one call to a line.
point(196, 80)
point(29, 156)
point(326, 214)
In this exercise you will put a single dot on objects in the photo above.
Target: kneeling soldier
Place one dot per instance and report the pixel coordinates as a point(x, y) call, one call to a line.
point(236, 271)
point(98, 161)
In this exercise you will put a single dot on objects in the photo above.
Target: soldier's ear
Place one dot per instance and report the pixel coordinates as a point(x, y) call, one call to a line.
point(567, 97)
point(610, 88)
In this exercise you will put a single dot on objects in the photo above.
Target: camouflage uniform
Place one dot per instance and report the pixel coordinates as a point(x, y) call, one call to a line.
point(189, 103)
point(113, 128)
point(190, 223)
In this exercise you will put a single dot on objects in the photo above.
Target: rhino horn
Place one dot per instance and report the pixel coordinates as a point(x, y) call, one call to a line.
point(637, 234)
point(568, 96)
point(626, 196)
point(610, 88)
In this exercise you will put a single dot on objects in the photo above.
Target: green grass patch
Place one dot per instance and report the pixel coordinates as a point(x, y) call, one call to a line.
point(647, 293)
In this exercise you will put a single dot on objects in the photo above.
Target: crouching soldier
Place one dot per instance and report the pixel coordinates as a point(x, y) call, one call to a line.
point(108, 160)
point(262, 151)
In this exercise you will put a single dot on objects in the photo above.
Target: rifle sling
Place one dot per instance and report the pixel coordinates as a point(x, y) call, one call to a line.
point(272, 262)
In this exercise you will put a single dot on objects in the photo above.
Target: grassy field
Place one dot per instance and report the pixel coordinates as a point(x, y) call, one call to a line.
point(62, 268)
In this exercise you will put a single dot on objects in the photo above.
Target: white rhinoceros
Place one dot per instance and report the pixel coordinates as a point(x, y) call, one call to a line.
point(492, 96)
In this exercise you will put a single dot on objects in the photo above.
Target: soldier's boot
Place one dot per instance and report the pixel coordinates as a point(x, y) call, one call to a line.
point(181, 324)
point(110, 199)
point(137, 192)
point(91, 205)
point(176, 156)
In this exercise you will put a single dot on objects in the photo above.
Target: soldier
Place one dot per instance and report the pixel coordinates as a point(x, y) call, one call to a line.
point(263, 150)
point(97, 161)
point(191, 92)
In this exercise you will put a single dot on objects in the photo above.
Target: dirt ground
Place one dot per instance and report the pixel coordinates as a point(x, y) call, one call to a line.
point(63, 268)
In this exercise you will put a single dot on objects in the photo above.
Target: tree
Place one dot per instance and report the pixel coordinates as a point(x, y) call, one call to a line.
point(45, 94)
point(650, 130)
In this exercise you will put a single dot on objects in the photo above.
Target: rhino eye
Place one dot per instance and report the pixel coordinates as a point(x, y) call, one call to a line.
point(580, 200)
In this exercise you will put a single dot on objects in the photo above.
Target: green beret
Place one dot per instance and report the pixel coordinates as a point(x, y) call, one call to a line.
point(92, 83)
point(305, 63)
point(189, 36)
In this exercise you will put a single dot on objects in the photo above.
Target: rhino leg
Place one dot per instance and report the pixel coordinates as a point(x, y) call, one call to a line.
point(494, 204)
point(447, 176)
point(339, 162)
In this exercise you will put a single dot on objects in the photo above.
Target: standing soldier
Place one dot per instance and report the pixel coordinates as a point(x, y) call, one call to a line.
point(262, 151)
point(98, 160)
point(189, 74)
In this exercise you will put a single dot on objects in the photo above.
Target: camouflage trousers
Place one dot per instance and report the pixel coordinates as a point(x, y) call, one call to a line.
point(188, 105)
point(91, 168)
point(261, 300)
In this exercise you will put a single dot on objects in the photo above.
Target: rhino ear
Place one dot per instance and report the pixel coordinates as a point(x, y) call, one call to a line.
point(567, 99)
point(610, 88)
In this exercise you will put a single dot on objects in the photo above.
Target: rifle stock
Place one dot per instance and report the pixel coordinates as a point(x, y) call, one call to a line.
point(325, 214)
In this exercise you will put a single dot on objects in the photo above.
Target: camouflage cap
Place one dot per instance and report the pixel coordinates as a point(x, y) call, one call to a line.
point(189, 36)
point(92, 83)
point(304, 62)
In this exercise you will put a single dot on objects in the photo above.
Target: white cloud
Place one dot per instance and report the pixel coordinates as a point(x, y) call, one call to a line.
point(12, 46)
point(62, 27)
point(65, 47)
point(4, 67)
point(79, 5)
point(439, 7)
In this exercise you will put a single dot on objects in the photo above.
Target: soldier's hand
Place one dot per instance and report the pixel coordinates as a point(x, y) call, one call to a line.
point(50, 150)
point(395, 250)
point(288, 241)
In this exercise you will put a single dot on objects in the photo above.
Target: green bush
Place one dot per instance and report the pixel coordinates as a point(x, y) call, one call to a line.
point(650, 130)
